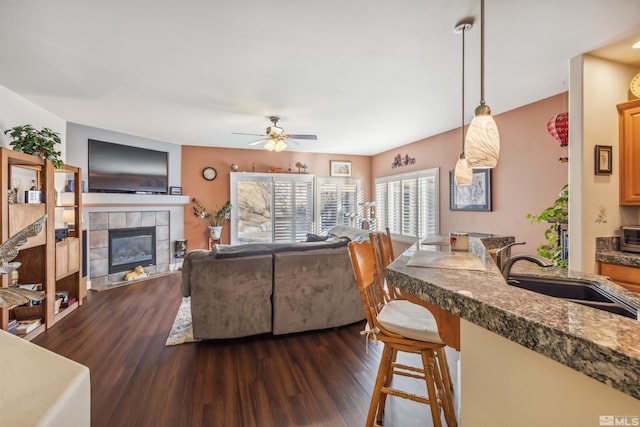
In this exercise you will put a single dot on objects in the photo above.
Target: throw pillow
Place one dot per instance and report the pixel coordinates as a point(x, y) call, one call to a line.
point(316, 237)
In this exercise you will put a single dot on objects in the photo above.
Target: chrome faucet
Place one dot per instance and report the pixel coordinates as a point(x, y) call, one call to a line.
point(508, 264)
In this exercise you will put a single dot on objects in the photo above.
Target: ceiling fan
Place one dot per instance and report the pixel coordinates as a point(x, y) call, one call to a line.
point(275, 136)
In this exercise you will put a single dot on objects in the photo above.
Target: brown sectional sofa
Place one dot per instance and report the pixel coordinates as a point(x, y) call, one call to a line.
point(280, 288)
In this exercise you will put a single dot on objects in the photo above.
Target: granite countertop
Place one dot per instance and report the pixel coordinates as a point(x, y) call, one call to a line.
point(607, 250)
point(601, 345)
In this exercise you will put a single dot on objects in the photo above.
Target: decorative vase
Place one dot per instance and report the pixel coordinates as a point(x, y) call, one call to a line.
point(215, 232)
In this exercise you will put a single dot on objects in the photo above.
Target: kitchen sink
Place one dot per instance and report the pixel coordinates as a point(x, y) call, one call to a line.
point(584, 292)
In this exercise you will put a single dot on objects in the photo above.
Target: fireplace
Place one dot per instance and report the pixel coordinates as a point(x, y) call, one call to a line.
point(101, 226)
point(131, 247)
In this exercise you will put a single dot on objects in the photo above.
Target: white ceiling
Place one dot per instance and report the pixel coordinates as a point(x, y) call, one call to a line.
point(364, 75)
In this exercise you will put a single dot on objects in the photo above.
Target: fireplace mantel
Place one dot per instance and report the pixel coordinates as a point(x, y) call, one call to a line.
point(111, 199)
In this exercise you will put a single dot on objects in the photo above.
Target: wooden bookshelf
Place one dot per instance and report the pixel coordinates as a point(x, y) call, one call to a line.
point(55, 265)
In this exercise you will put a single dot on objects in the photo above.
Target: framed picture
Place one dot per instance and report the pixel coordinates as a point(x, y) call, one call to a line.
point(474, 197)
point(603, 161)
point(175, 191)
point(340, 168)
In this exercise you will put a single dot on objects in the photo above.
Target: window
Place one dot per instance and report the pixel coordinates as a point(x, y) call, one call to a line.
point(271, 207)
point(409, 203)
point(338, 202)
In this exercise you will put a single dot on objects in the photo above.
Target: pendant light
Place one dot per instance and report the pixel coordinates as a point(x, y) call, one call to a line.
point(463, 173)
point(482, 144)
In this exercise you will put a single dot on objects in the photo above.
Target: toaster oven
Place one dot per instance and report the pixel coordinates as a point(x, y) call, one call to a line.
point(630, 238)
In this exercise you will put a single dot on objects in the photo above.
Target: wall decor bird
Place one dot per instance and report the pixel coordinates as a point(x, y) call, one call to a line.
point(10, 297)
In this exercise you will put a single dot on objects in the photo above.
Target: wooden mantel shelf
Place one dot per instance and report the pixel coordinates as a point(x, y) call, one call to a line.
point(104, 199)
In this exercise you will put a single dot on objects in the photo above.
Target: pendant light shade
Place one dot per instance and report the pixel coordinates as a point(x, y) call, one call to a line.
point(463, 173)
point(482, 144)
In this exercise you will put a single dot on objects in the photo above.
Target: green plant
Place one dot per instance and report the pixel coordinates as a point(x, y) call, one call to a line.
point(219, 216)
point(555, 216)
point(27, 139)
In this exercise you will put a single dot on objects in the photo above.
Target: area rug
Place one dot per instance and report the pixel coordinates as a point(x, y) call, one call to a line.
point(182, 330)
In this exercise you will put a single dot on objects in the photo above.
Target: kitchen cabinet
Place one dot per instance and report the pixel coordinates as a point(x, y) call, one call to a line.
point(629, 144)
point(624, 275)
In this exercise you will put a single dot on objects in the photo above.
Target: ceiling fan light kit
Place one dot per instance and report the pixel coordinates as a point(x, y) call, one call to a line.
point(482, 144)
point(276, 145)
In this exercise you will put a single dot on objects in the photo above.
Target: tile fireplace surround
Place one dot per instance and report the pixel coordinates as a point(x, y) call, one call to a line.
point(99, 225)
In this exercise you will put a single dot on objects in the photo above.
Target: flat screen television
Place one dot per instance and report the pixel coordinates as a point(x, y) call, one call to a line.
point(117, 168)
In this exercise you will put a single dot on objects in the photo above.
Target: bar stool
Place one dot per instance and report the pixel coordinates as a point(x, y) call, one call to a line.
point(384, 249)
point(403, 327)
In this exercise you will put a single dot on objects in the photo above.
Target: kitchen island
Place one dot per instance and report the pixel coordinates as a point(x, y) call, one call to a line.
point(526, 358)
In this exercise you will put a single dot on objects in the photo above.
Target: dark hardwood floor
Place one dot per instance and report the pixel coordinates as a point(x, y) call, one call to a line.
point(312, 379)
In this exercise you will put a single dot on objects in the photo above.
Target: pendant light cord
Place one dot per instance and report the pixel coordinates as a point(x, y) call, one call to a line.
point(481, 52)
point(462, 112)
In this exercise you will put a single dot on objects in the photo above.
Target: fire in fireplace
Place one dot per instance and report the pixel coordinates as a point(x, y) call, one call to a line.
point(131, 247)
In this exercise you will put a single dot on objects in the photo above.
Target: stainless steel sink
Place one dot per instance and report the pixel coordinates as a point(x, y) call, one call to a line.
point(583, 292)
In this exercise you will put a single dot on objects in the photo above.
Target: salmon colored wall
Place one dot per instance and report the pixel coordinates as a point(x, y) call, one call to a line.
point(216, 192)
point(527, 179)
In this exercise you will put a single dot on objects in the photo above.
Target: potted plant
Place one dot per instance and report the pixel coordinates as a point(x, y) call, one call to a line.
point(41, 143)
point(215, 219)
point(557, 216)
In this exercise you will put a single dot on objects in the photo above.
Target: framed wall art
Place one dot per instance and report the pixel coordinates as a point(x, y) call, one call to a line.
point(474, 197)
point(339, 168)
point(603, 160)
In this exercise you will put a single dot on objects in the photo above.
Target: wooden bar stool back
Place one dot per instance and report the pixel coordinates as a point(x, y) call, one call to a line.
point(384, 249)
point(403, 327)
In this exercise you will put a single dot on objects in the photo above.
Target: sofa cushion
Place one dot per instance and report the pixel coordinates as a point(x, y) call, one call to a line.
point(231, 298)
point(252, 249)
point(314, 290)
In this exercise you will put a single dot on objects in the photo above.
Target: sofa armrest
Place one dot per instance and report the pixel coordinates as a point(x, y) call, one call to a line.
point(187, 265)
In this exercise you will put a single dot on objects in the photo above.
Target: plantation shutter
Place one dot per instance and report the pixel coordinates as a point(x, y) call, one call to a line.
point(271, 207)
point(428, 194)
point(409, 203)
point(410, 207)
point(394, 200)
point(381, 204)
point(338, 202)
point(293, 208)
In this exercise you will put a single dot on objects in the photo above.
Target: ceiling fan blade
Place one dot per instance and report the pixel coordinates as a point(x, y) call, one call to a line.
point(252, 134)
point(314, 137)
point(257, 141)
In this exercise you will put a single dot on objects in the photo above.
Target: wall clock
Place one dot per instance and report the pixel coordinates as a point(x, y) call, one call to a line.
point(209, 173)
point(635, 85)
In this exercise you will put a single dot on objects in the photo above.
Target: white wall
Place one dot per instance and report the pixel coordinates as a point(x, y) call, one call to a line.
point(15, 111)
point(597, 86)
point(77, 136)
